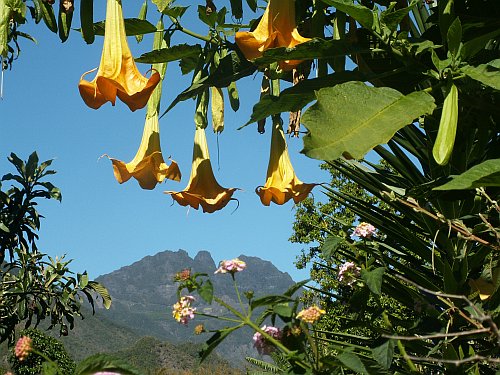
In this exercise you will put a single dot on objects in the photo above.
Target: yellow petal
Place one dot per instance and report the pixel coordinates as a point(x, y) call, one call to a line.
point(282, 184)
point(202, 189)
point(277, 28)
point(117, 74)
point(148, 166)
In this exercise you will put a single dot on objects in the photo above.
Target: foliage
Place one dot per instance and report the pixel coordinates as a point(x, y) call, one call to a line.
point(423, 295)
point(33, 286)
point(49, 347)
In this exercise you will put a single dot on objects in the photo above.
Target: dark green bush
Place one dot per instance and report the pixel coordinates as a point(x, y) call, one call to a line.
point(49, 347)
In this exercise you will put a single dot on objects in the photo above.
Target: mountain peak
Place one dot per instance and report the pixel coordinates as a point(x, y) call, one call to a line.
point(204, 258)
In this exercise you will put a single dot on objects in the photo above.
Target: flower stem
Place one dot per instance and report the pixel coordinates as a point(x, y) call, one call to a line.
point(189, 32)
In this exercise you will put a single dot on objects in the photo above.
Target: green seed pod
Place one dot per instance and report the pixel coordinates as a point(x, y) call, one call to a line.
point(217, 109)
point(443, 147)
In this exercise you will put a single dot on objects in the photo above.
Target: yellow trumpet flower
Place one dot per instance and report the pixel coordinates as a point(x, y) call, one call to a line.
point(282, 184)
point(202, 189)
point(277, 28)
point(148, 166)
point(117, 74)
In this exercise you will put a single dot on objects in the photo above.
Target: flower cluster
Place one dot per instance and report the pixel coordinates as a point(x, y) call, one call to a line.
point(183, 311)
point(348, 273)
point(23, 348)
point(199, 329)
point(183, 275)
point(364, 230)
point(311, 314)
point(262, 345)
point(231, 266)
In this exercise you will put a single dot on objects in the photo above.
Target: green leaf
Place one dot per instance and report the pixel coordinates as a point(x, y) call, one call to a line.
point(206, 291)
point(314, 49)
point(352, 362)
point(234, 99)
point(208, 19)
point(373, 279)
point(102, 291)
point(445, 140)
point(473, 46)
point(162, 4)
point(330, 246)
point(360, 13)
point(297, 97)
point(393, 18)
point(175, 12)
point(488, 74)
point(344, 115)
point(269, 300)
point(236, 9)
point(283, 310)
point(142, 16)
point(133, 26)
point(105, 362)
point(214, 341)
point(485, 174)
point(384, 353)
point(170, 54)
point(454, 37)
point(87, 20)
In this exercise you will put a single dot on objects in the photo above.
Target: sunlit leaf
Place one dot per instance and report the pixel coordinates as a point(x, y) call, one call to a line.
point(352, 118)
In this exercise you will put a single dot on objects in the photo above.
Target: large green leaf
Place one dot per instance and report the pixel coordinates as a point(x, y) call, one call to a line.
point(484, 174)
point(384, 353)
point(170, 54)
point(373, 279)
point(133, 26)
point(314, 49)
point(488, 74)
point(360, 13)
point(352, 118)
point(297, 97)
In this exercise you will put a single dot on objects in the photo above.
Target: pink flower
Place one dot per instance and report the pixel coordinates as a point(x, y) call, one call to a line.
point(261, 344)
point(348, 273)
point(311, 314)
point(231, 266)
point(364, 230)
point(23, 348)
point(183, 311)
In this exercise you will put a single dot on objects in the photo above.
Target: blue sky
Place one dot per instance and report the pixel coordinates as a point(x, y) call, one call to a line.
point(103, 225)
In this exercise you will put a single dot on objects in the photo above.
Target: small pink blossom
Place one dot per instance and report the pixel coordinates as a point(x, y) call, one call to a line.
point(183, 311)
point(348, 273)
point(262, 345)
point(364, 230)
point(231, 266)
point(23, 347)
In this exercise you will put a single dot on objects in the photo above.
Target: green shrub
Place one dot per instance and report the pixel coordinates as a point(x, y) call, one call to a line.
point(48, 347)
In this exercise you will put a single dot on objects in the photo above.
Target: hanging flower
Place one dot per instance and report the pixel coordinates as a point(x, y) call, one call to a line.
point(231, 266)
point(148, 166)
point(117, 74)
point(281, 184)
point(202, 189)
point(311, 314)
point(277, 28)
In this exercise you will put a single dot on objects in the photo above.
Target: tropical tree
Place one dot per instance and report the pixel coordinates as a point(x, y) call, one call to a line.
point(34, 286)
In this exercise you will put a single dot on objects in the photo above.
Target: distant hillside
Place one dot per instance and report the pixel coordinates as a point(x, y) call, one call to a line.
point(139, 326)
point(144, 292)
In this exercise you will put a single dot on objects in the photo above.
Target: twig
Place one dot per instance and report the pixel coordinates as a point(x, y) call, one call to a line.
point(438, 335)
point(456, 362)
point(415, 206)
